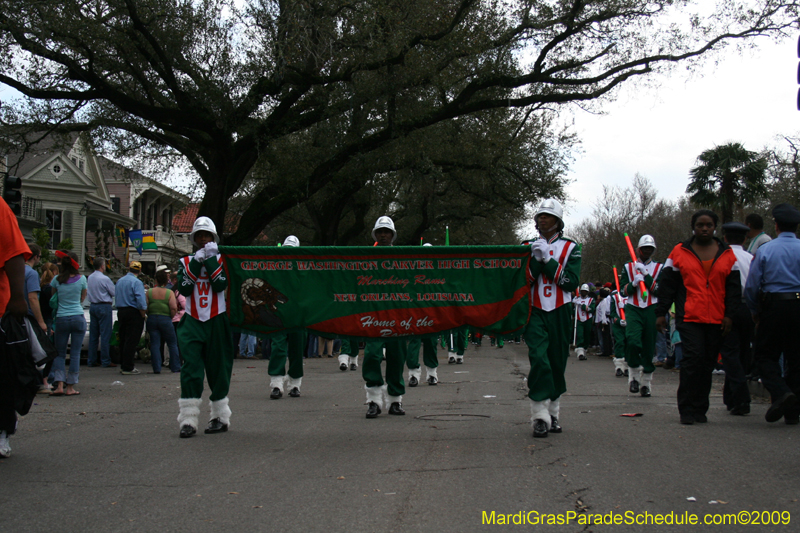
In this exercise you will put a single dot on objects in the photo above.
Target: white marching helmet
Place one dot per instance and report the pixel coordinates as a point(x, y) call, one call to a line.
point(646, 240)
point(384, 222)
point(585, 287)
point(291, 240)
point(204, 224)
point(551, 206)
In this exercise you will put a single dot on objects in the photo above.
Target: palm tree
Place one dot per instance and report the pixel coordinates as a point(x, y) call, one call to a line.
point(727, 176)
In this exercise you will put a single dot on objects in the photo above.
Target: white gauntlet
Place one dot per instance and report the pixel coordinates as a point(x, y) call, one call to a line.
point(211, 249)
point(540, 249)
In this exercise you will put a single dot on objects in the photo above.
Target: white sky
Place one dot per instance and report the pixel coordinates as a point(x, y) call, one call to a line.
point(659, 132)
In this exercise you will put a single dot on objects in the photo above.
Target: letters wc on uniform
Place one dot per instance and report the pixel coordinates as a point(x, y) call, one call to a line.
point(371, 292)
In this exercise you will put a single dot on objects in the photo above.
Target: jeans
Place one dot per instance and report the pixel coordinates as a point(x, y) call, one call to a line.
point(247, 345)
point(312, 346)
point(160, 326)
point(661, 347)
point(598, 331)
point(99, 329)
point(67, 327)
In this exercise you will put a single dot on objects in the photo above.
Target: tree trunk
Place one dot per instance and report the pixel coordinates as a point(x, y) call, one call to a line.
point(728, 198)
point(215, 206)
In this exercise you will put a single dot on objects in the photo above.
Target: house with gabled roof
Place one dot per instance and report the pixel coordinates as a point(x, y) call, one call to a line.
point(60, 173)
point(87, 198)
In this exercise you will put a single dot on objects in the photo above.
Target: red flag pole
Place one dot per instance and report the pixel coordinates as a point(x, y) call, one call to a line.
point(642, 286)
point(616, 280)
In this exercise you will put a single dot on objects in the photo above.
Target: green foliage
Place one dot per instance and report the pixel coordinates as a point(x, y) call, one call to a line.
point(41, 238)
point(727, 177)
point(65, 244)
point(475, 174)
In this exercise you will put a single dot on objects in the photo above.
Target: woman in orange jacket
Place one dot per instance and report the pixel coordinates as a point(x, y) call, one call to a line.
point(702, 279)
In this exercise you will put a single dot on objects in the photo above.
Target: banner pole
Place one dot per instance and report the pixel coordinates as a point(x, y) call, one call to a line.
point(575, 328)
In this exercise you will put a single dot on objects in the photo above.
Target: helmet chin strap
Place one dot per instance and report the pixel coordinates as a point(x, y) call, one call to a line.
point(559, 230)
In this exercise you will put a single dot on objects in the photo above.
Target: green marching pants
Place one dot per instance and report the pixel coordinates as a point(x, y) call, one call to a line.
point(348, 355)
point(619, 340)
point(395, 362)
point(584, 333)
point(459, 338)
point(206, 347)
point(349, 346)
point(429, 358)
point(548, 336)
point(291, 346)
point(640, 337)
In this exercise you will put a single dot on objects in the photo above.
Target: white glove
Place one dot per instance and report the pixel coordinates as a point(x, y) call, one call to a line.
point(200, 255)
point(540, 250)
point(640, 268)
point(211, 249)
point(637, 278)
point(623, 323)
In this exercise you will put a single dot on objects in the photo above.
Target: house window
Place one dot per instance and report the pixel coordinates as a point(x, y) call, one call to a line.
point(54, 227)
point(115, 204)
point(56, 169)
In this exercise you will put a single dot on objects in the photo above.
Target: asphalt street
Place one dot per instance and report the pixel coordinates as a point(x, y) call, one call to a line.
point(110, 459)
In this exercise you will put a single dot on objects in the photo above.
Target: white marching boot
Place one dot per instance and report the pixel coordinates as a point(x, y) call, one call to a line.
point(414, 376)
point(188, 416)
point(646, 388)
point(431, 376)
point(634, 379)
point(540, 418)
point(294, 386)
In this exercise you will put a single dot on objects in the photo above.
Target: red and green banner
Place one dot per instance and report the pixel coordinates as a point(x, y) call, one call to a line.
point(377, 292)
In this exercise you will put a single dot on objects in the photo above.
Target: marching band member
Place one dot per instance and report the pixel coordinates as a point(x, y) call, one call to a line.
point(204, 334)
point(555, 268)
point(640, 316)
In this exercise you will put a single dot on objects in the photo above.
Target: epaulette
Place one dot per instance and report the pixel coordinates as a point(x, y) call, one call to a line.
point(568, 238)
